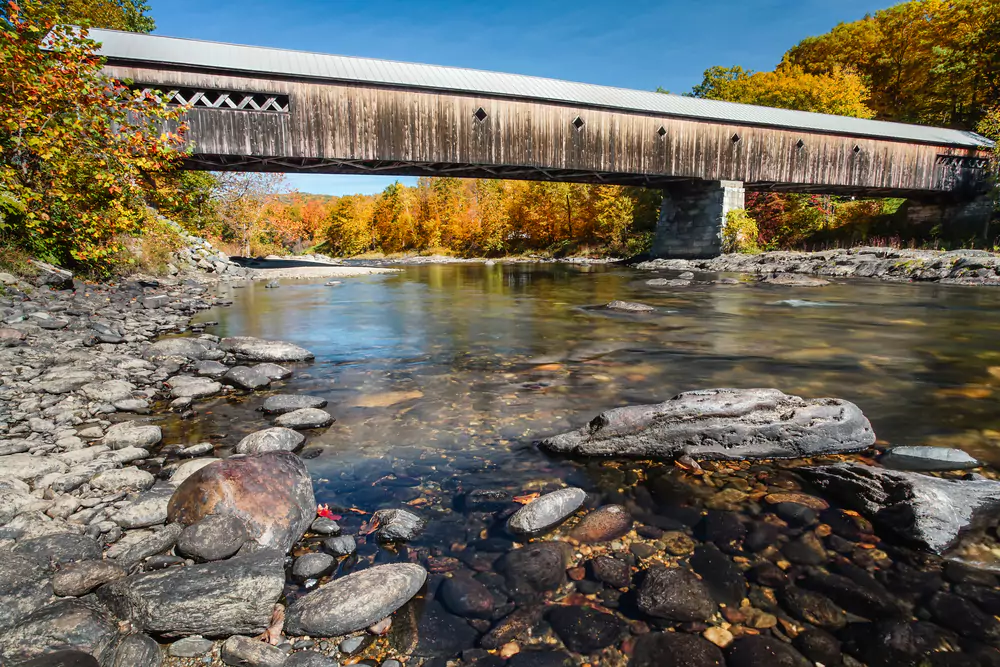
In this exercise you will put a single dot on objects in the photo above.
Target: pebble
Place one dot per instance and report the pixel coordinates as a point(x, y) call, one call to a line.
point(546, 511)
point(344, 545)
point(718, 636)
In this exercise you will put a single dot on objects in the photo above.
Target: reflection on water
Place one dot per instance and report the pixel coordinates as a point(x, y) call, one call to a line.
point(477, 361)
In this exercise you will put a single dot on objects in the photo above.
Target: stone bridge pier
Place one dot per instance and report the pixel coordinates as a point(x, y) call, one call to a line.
point(692, 217)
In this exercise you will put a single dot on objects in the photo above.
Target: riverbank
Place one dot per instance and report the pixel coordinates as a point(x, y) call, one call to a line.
point(956, 267)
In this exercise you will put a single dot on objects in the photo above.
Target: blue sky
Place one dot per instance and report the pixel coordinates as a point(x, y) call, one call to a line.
point(634, 44)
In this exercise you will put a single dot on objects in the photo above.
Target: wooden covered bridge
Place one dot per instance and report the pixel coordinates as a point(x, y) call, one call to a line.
point(262, 109)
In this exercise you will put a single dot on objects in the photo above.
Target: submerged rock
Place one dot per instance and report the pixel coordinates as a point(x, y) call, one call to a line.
point(271, 493)
point(927, 511)
point(928, 458)
point(629, 307)
point(276, 439)
point(397, 525)
point(354, 602)
point(467, 597)
point(723, 424)
point(282, 403)
point(675, 594)
point(546, 511)
point(305, 418)
point(606, 523)
point(234, 596)
point(255, 349)
point(533, 570)
point(676, 649)
point(585, 630)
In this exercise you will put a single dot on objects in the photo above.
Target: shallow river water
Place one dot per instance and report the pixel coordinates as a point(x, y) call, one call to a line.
point(442, 376)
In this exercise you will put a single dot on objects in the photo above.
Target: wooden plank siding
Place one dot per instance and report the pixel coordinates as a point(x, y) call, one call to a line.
point(336, 127)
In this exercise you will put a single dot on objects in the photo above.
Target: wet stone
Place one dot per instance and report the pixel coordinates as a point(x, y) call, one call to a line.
point(819, 646)
point(602, 525)
point(312, 566)
point(397, 525)
point(277, 439)
point(486, 500)
point(675, 594)
point(274, 372)
point(324, 526)
point(310, 659)
point(863, 597)
point(768, 574)
point(724, 529)
point(442, 634)
point(510, 627)
point(534, 569)
point(70, 623)
point(546, 512)
point(987, 599)
point(960, 573)
point(759, 651)
point(467, 597)
point(964, 617)
point(305, 418)
point(215, 537)
point(806, 550)
point(585, 630)
point(720, 574)
point(243, 377)
point(344, 545)
point(928, 459)
point(283, 403)
point(629, 307)
point(541, 659)
point(677, 543)
point(675, 649)
point(812, 607)
point(795, 514)
point(612, 571)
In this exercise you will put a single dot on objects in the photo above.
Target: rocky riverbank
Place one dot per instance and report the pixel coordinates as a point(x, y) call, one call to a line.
point(958, 267)
point(120, 549)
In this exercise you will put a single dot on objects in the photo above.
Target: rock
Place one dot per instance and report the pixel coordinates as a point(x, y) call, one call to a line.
point(584, 630)
point(603, 525)
point(138, 651)
point(612, 571)
point(859, 594)
point(310, 659)
point(794, 279)
point(155, 544)
point(234, 596)
point(274, 372)
point(63, 382)
point(724, 579)
point(964, 617)
point(675, 594)
point(190, 647)
point(279, 404)
point(629, 307)
point(271, 492)
point(24, 587)
point(323, 526)
point(243, 651)
point(534, 569)
point(819, 647)
point(201, 449)
point(813, 608)
point(53, 276)
point(312, 566)
point(60, 548)
point(28, 467)
point(675, 649)
point(132, 434)
point(255, 349)
point(125, 479)
point(186, 469)
point(929, 512)
point(63, 625)
point(519, 622)
point(109, 391)
point(343, 545)
point(82, 577)
point(188, 386)
point(723, 424)
point(397, 525)
point(278, 439)
point(441, 634)
point(464, 596)
point(927, 459)
point(354, 602)
point(759, 651)
point(148, 509)
point(180, 348)
point(215, 537)
point(305, 418)
point(211, 369)
point(891, 643)
point(243, 377)
point(677, 543)
point(63, 659)
point(546, 512)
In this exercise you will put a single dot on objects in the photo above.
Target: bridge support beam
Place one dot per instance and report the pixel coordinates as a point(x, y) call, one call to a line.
point(692, 217)
point(959, 220)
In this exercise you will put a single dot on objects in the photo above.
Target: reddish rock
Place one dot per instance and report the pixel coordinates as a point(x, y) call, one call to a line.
point(607, 523)
point(272, 493)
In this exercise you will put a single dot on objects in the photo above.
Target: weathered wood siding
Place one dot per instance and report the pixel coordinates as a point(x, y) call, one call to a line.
point(352, 122)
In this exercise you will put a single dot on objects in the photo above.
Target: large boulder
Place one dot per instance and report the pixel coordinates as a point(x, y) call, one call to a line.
point(24, 587)
point(247, 348)
point(354, 602)
point(723, 424)
point(271, 492)
point(62, 625)
point(234, 596)
point(929, 512)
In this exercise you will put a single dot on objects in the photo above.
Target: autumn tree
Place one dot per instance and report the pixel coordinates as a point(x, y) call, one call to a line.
point(246, 203)
point(77, 148)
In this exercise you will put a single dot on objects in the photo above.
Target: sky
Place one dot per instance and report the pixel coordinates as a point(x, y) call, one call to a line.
point(631, 44)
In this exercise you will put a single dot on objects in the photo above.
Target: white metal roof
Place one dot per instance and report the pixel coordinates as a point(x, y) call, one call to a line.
point(252, 60)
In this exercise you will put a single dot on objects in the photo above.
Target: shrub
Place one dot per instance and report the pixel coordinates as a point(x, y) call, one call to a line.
point(740, 233)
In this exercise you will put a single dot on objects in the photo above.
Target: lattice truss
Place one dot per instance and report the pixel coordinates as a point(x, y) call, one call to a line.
point(220, 99)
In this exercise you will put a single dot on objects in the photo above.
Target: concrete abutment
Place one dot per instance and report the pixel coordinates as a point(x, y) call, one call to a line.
point(692, 217)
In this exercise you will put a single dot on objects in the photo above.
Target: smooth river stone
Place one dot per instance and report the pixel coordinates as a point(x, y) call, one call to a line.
point(607, 523)
point(675, 594)
point(187, 386)
point(271, 493)
point(132, 434)
point(256, 349)
point(354, 602)
point(546, 511)
point(927, 458)
point(723, 424)
point(305, 418)
point(629, 307)
point(282, 403)
point(247, 378)
point(277, 439)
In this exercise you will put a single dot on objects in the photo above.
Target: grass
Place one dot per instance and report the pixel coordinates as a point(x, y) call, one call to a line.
point(16, 261)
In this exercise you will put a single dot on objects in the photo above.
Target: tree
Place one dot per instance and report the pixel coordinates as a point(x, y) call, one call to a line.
point(245, 204)
point(77, 148)
point(130, 15)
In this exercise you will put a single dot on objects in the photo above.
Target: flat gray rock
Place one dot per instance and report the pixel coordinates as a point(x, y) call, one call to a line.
point(273, 371)
point(148, 509)
point(109, 391)
point(190, 647)
point(193, 349)
point(305, 418)
point(255, 349)
point(132, 434)
point(928, 458)
point(24, 587)
point(65, 624)
point(211, 369)
point(282, 403)
point(247, 378)
point(277, 439)
point(234, 596)
point(215, 537)
point(60, 548)
point(919, 509)
point(187, 386)
point(342, 545)
point(28, 467)
point(124, 479)
point(246, 652)
point(354, 602)
point(629, 307)
point(546, 511)
point(723, 424)
point(312, 566)
point(138, 651)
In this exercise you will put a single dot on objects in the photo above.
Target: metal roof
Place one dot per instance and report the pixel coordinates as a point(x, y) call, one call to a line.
point(250, 60)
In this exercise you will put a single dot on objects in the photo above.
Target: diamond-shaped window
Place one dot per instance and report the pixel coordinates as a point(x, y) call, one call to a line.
point(578, 123)
point(857, 149)
point(800, 144)
point(480, 114)
point(662, 131)
point(736, 138)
